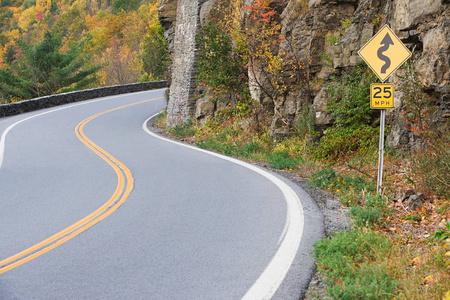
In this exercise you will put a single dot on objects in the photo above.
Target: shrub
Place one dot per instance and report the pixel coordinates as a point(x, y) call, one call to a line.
point(349, 97)
point(305, 121)
point(340, 141)
point(324, 178)
point(328, 179)
point(354, 122)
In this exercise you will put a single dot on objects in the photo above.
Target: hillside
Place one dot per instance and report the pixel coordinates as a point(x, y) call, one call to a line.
point(116, 42)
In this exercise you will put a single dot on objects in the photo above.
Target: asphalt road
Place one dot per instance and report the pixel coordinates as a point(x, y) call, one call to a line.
point(93, 206)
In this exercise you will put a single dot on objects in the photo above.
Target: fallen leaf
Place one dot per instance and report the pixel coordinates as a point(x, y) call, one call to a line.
point(447, 296)
point(428, 279)
point(416, 260)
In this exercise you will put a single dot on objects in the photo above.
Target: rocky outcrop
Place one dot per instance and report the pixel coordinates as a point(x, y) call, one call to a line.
point(181, 102)
point(338, 29)
point(331, 32)
point(167, 17)
point(425, 27)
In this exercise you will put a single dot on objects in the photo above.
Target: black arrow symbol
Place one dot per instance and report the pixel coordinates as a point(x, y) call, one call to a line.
point(386, 42)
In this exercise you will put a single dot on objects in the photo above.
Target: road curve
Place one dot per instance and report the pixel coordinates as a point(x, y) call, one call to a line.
point(93, 207)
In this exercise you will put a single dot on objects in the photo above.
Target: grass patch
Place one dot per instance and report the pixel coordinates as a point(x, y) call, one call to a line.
point(347, 262)
point(220, 147)
point(282, 160)
point(370, 213)
point(351, 189)
point(182, 131)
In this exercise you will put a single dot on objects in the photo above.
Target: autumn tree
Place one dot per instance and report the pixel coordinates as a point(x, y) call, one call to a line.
point(263, 37)
point(42, 69)
point(274, 62)
point(118, 60)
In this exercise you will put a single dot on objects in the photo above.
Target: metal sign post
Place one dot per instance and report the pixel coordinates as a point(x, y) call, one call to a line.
point(381, 151)
point(384, 54)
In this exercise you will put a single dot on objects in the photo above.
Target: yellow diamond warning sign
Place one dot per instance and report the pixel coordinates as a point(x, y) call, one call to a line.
point(384, 53)
point(381, 96)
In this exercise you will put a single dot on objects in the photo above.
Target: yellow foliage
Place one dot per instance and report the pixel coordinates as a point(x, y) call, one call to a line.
point(148, 12)
point(15, 99)
point(16, 10)
point(99, 41)
point(91, 21)
point(14, 34)
point(42, 5)
point(27, 17)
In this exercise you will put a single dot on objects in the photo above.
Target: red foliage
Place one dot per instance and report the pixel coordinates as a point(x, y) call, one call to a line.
point(260, 11)
point(40, 16)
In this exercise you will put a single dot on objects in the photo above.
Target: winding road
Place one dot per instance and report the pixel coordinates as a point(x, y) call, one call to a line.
point(93, 205)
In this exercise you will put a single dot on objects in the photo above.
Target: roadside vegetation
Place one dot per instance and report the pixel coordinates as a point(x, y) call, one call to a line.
point(391, 251)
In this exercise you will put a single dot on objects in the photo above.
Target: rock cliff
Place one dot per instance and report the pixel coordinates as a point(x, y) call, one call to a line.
point(331, 32)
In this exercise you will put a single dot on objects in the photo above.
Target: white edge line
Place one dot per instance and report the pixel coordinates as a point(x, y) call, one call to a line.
point(272, 277)
point(7, 130)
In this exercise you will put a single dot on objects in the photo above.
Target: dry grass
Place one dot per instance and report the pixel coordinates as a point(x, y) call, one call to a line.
point(418, 266)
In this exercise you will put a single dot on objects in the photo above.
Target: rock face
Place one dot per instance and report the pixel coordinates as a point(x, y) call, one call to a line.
point(331, 32)
point(167, 17)
point(181, 104)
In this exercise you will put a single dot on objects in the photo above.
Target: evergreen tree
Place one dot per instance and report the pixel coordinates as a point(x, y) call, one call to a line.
point(10, 54)
point(42, 69)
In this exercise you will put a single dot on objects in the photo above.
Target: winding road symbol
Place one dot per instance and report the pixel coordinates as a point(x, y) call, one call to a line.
point(384, 53)
point(386, 43)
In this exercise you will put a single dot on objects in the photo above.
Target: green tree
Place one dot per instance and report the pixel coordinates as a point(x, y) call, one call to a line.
point(125, 5)
point(155, 53)
point(220, 68)
point(349, 96)
point(10, 54)
point(5, 16)
point(5, 3)
point(42, 69)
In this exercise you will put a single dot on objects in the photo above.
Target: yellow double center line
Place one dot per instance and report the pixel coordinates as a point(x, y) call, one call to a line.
point(123, 190)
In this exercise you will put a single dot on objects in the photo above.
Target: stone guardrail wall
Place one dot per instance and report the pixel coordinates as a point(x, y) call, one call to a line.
point(59, 99)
